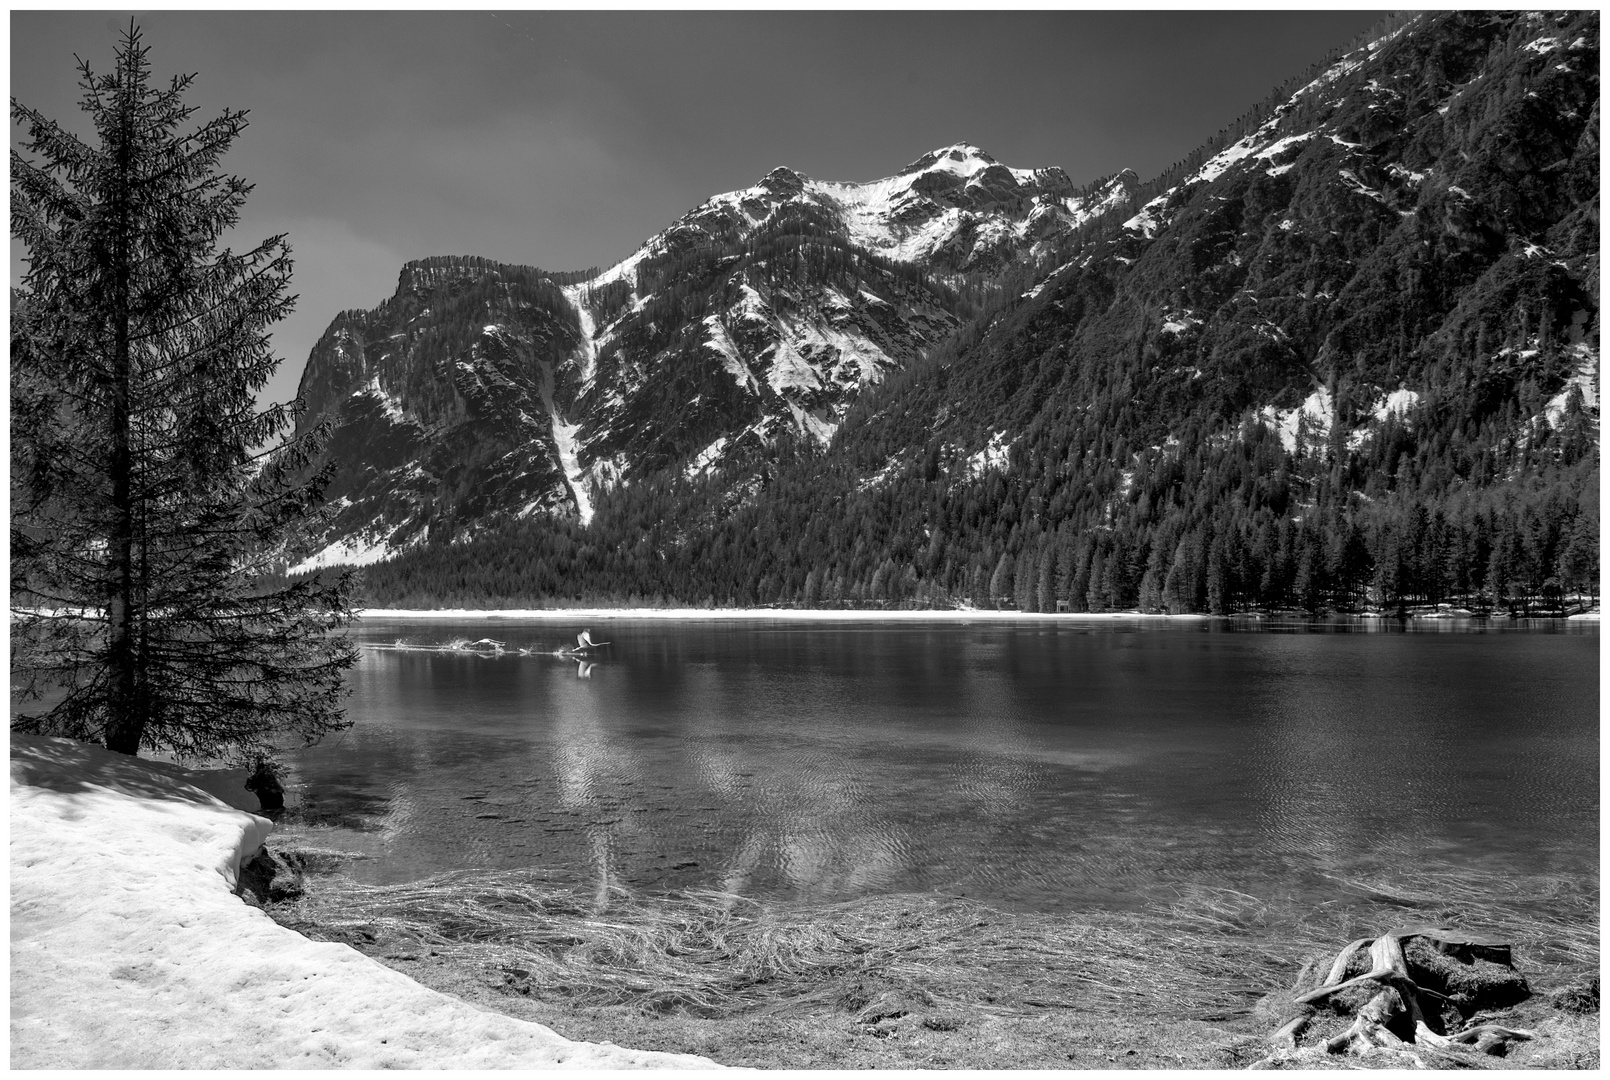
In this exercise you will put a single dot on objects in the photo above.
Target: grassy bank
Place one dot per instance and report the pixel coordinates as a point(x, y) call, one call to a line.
point(923, 981)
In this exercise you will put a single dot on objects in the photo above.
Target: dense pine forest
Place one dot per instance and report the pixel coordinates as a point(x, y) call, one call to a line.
point(1342, 357)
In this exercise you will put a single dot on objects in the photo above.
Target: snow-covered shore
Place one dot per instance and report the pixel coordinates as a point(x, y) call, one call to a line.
point(129, 949)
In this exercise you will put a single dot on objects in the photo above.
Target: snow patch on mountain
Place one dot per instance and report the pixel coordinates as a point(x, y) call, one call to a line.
point(791, 371)
point(1150, 218)
point(1259, 144)
point(1315, 418)
point(810, 423)
point(820, 339)
point(882, 476)
point(751, 305)
point(994, 455)
point(1312, 419)
point(1180, 322)
point(565, 441)
point(1220, 163)
point(719, 340)
point(1398, 403)
point(706, 457)
point(389, 404)
point(587, 345)
point(357, 549)
point(1350, 178)
point(1584, 379)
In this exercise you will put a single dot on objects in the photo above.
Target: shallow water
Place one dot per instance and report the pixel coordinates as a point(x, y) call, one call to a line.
point(1039, 767)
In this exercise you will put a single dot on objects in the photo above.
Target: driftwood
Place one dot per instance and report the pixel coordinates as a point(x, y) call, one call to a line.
point(1401, 1014)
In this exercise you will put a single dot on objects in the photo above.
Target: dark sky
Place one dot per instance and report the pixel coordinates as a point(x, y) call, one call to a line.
point(565, 139)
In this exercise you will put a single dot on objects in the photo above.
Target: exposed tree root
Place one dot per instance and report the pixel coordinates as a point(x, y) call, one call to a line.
point(1404, 1014)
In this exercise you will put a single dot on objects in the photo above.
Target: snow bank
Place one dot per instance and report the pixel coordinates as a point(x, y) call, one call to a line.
point(128, 949)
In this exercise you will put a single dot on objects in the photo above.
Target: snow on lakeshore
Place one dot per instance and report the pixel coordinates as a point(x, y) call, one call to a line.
point(129, 950)
point(739, 614)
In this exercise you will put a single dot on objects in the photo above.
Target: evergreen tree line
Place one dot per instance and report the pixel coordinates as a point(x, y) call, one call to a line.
point(1242, 527)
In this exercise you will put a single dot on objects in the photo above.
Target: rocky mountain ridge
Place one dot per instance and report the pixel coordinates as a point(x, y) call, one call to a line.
point(482, 392)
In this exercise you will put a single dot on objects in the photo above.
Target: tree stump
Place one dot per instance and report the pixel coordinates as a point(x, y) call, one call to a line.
point(1418, 990)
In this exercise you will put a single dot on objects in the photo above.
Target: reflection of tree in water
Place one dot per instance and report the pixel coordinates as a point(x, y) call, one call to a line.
point(996, 767)
point(594, 773)
point(808, 826)
point(837, 810)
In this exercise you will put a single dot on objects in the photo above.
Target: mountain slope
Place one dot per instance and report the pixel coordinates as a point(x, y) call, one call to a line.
point(1345, 354)
point(1349, 356)
point(481, 392)
point(440, 402)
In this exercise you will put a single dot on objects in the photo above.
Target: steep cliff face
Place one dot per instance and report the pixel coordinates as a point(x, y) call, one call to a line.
point(482, 392)
point(440, 402)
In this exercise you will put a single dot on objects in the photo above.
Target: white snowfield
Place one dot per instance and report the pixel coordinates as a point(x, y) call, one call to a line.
point(129, 950)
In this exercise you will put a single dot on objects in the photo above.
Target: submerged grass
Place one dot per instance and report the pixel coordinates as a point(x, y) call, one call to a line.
point(717, 955)
point(1197, 955)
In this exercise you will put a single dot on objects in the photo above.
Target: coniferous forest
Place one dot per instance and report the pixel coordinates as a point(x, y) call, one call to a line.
point(1341, 357)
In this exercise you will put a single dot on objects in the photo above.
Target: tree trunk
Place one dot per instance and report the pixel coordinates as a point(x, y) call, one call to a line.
point(124, 724)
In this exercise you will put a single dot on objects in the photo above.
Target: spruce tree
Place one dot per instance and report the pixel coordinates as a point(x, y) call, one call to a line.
point(148, 521)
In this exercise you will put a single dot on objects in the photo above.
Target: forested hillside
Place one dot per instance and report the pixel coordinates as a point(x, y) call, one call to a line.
point(1343, 355)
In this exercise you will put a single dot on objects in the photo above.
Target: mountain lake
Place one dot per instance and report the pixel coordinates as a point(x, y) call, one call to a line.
point(1033, 766)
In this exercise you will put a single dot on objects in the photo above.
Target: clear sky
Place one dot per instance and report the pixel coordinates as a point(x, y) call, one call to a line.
point(565, 139)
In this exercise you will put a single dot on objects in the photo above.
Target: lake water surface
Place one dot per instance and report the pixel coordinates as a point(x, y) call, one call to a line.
point(1034, 766)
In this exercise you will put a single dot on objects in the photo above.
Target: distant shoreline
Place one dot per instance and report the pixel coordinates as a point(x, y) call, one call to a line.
point(751, 614)
point(965, 615)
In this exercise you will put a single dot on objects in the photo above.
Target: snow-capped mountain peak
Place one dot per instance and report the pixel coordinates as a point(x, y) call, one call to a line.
point(957, 208)
point(964, 159)
point(760, 314)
